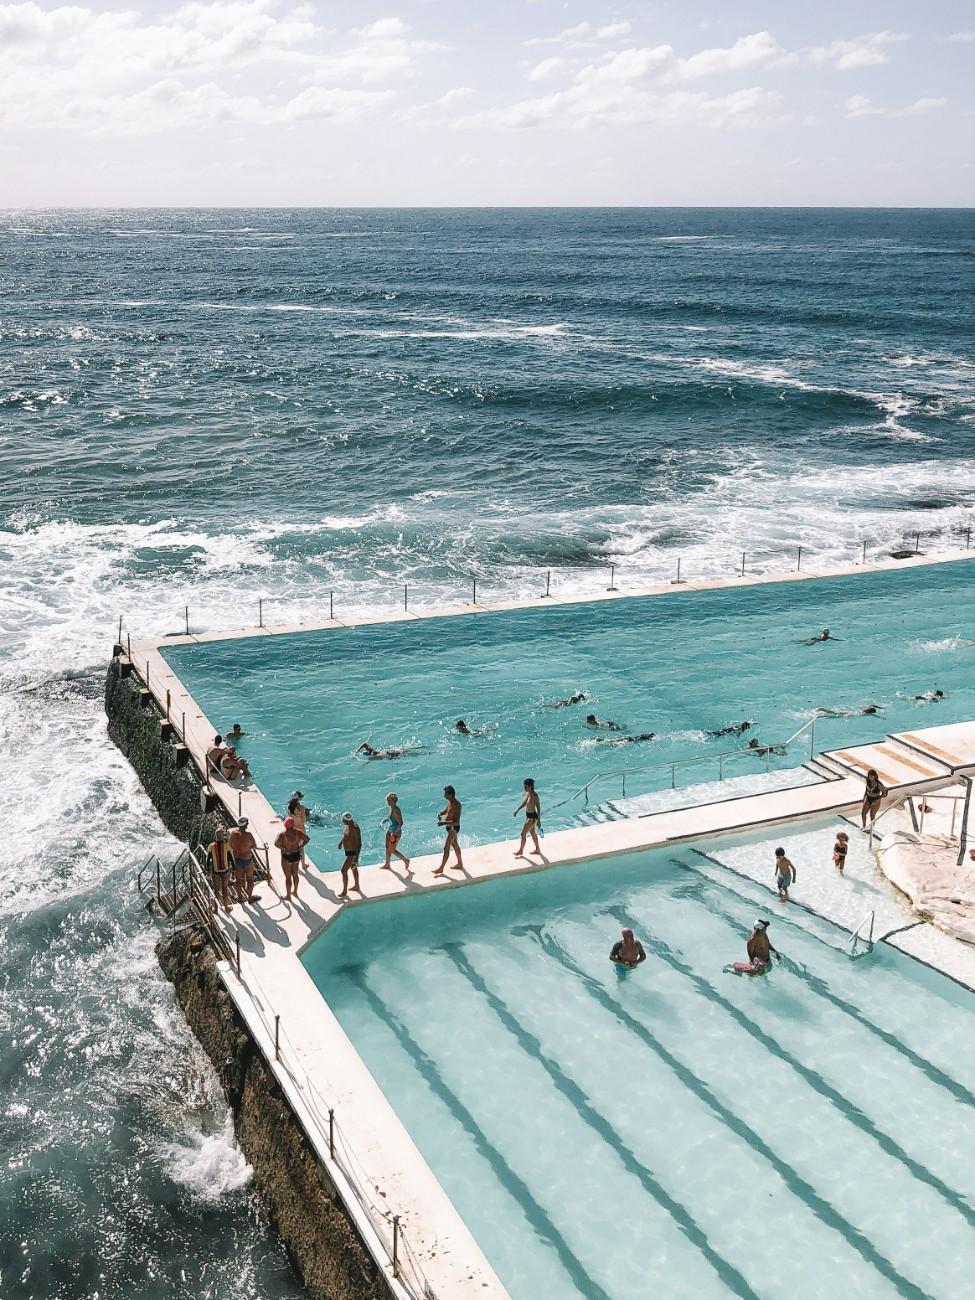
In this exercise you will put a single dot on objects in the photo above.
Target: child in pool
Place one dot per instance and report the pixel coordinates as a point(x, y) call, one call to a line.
point(840, 849)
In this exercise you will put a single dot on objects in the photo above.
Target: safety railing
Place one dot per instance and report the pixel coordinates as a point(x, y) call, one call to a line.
point(917, 816)
point(403, 592)
point(779, 749)
point(856, 934)
point(189, 874)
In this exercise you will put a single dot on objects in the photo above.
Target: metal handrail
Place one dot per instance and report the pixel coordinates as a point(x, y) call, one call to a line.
point(899, 802)
point(674, 764)
point(855, 934)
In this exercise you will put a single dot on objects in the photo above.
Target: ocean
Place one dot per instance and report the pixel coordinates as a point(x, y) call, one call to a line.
point(201, 409)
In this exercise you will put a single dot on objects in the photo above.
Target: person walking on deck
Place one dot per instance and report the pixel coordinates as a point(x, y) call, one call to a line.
point(533, 818)
point(218, 860)
point(449, 819)
point(874, 793)
point(290, 842)
point(243, 848)
point(785, 874)
point(393, 825)
point(351, 842)
point(299, 814)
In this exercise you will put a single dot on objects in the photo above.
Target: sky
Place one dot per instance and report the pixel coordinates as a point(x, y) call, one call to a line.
point(487, 102)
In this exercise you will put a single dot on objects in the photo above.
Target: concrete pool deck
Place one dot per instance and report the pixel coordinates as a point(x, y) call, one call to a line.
point(320, 1069)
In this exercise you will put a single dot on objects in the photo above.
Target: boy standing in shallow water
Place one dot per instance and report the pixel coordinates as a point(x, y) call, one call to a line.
point(840, 850)
point(785, 874)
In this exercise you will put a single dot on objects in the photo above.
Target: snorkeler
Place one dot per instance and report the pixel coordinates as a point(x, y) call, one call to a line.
point(593, 721)
point(626, 740)
point(825, 635)
point(369, 751)
point(930, 697)
point(735, 729)
point(627, 951)
point(866, 711)
point(465, 730)
point(576, 698)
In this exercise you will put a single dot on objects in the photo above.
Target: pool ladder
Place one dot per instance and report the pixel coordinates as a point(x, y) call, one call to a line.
point(857, 935)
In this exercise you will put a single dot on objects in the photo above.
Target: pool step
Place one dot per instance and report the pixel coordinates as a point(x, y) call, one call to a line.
point(896, 763)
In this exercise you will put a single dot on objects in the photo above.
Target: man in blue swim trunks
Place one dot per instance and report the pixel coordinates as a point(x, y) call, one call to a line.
point(243, 847)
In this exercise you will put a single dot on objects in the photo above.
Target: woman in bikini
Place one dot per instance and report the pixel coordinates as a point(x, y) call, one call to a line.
point(533, 818)
point(874, 794)
point(290, 842)
point(299, 815)
point(394, 829)
point(449, 819)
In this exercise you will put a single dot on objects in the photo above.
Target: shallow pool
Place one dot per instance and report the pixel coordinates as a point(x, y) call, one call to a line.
point(677, 665)
point(808, 1133)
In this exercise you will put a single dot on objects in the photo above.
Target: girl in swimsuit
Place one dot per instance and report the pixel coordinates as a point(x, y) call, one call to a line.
point(394, 829)
point(533, 818)
point(840, 850)
point(449, 819)
point(290, 842)
point(873, 795)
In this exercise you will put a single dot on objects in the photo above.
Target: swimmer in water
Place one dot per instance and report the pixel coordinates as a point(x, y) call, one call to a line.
point(593, 721)
point(866, 711)
point(930, 697)
point(626, 740)
point(369, 751)
point(755, 748)
point(463, 729)
point(758, 947)
point(627, 951)
point(735, 729)
point(576, 698)
point(235, 732)
point(825, 635)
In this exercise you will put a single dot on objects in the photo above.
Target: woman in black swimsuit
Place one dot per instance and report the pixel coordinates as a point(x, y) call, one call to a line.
point(290, 842)
point(449, 819)
point(873, 796)
point(533, 818)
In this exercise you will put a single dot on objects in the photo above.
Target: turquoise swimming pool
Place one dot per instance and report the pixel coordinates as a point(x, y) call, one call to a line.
point(805, 1134)
point(678, 665)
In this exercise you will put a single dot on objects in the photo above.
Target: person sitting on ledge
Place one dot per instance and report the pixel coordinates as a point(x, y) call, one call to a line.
point(576, 698)
point(233, 767)
point(593, 721)
point(627, 951)
point(215, 755)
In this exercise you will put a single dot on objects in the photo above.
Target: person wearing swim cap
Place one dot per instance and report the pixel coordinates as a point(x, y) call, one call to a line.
point(218, 860)
point(627, 951)
point(299, 813)
point(759, 948)
point(351, 842)
point(290, 842)
point(243, 848)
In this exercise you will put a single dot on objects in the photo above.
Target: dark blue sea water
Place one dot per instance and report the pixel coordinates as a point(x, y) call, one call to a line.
point(204, 408)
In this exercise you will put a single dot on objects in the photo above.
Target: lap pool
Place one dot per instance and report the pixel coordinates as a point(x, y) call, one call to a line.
point(678, 665)
point(805, 1134)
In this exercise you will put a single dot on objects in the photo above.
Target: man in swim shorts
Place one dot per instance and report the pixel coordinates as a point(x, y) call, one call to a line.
point(785, 874)
point(351, 842)
point(449, 819)
point(215, 755)
point(290, 842)
point(232, 766)
point(218, 860)
point(627, 951)
point(243, 847)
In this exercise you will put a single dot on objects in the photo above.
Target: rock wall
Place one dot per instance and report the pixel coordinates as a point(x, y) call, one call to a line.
point(322, 1240)
point(138, 728)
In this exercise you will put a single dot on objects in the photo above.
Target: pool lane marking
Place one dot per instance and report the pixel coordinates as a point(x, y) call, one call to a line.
point(851, 1112)
point(904, 761)
point(506, 1176)
point(822, 989)
point(847, 758)
point(933, 751)
point(527, 1041)
point(793, 1180)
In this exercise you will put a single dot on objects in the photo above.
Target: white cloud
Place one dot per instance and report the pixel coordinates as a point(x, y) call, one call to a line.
point(861, 106)
point(583, 106)
point(860, 52)
point(549, 68)
point(198, 64)
point(436, 111)
point(962, 38)
point(584, 34)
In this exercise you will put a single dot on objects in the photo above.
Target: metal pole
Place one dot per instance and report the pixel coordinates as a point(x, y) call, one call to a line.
point(186, 611)
point(624, 785)
point(128, 638)
point(968, 547)
point(673, 776)
point(173, 899)
point(147, 673)
point(331, 1132)
point(963, 829)
point(677, 579)
point(743, 564)
point(917, 542)
point(812, 739)
point(167, 703)
point(548, 582)
point(120, 629)
point(474, 601)
point(406, 596)
point(799, 560)
point(721, 767)
point(611, 587)
point(158, 881)
point(237, 951)
point(260, 612)
point(184, 726)
point(277, 1041)
point(863, 559)
point(331, 604)
point(395, 1245)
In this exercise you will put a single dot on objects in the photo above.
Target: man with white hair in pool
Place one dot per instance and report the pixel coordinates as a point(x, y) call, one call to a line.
point(627, 951)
